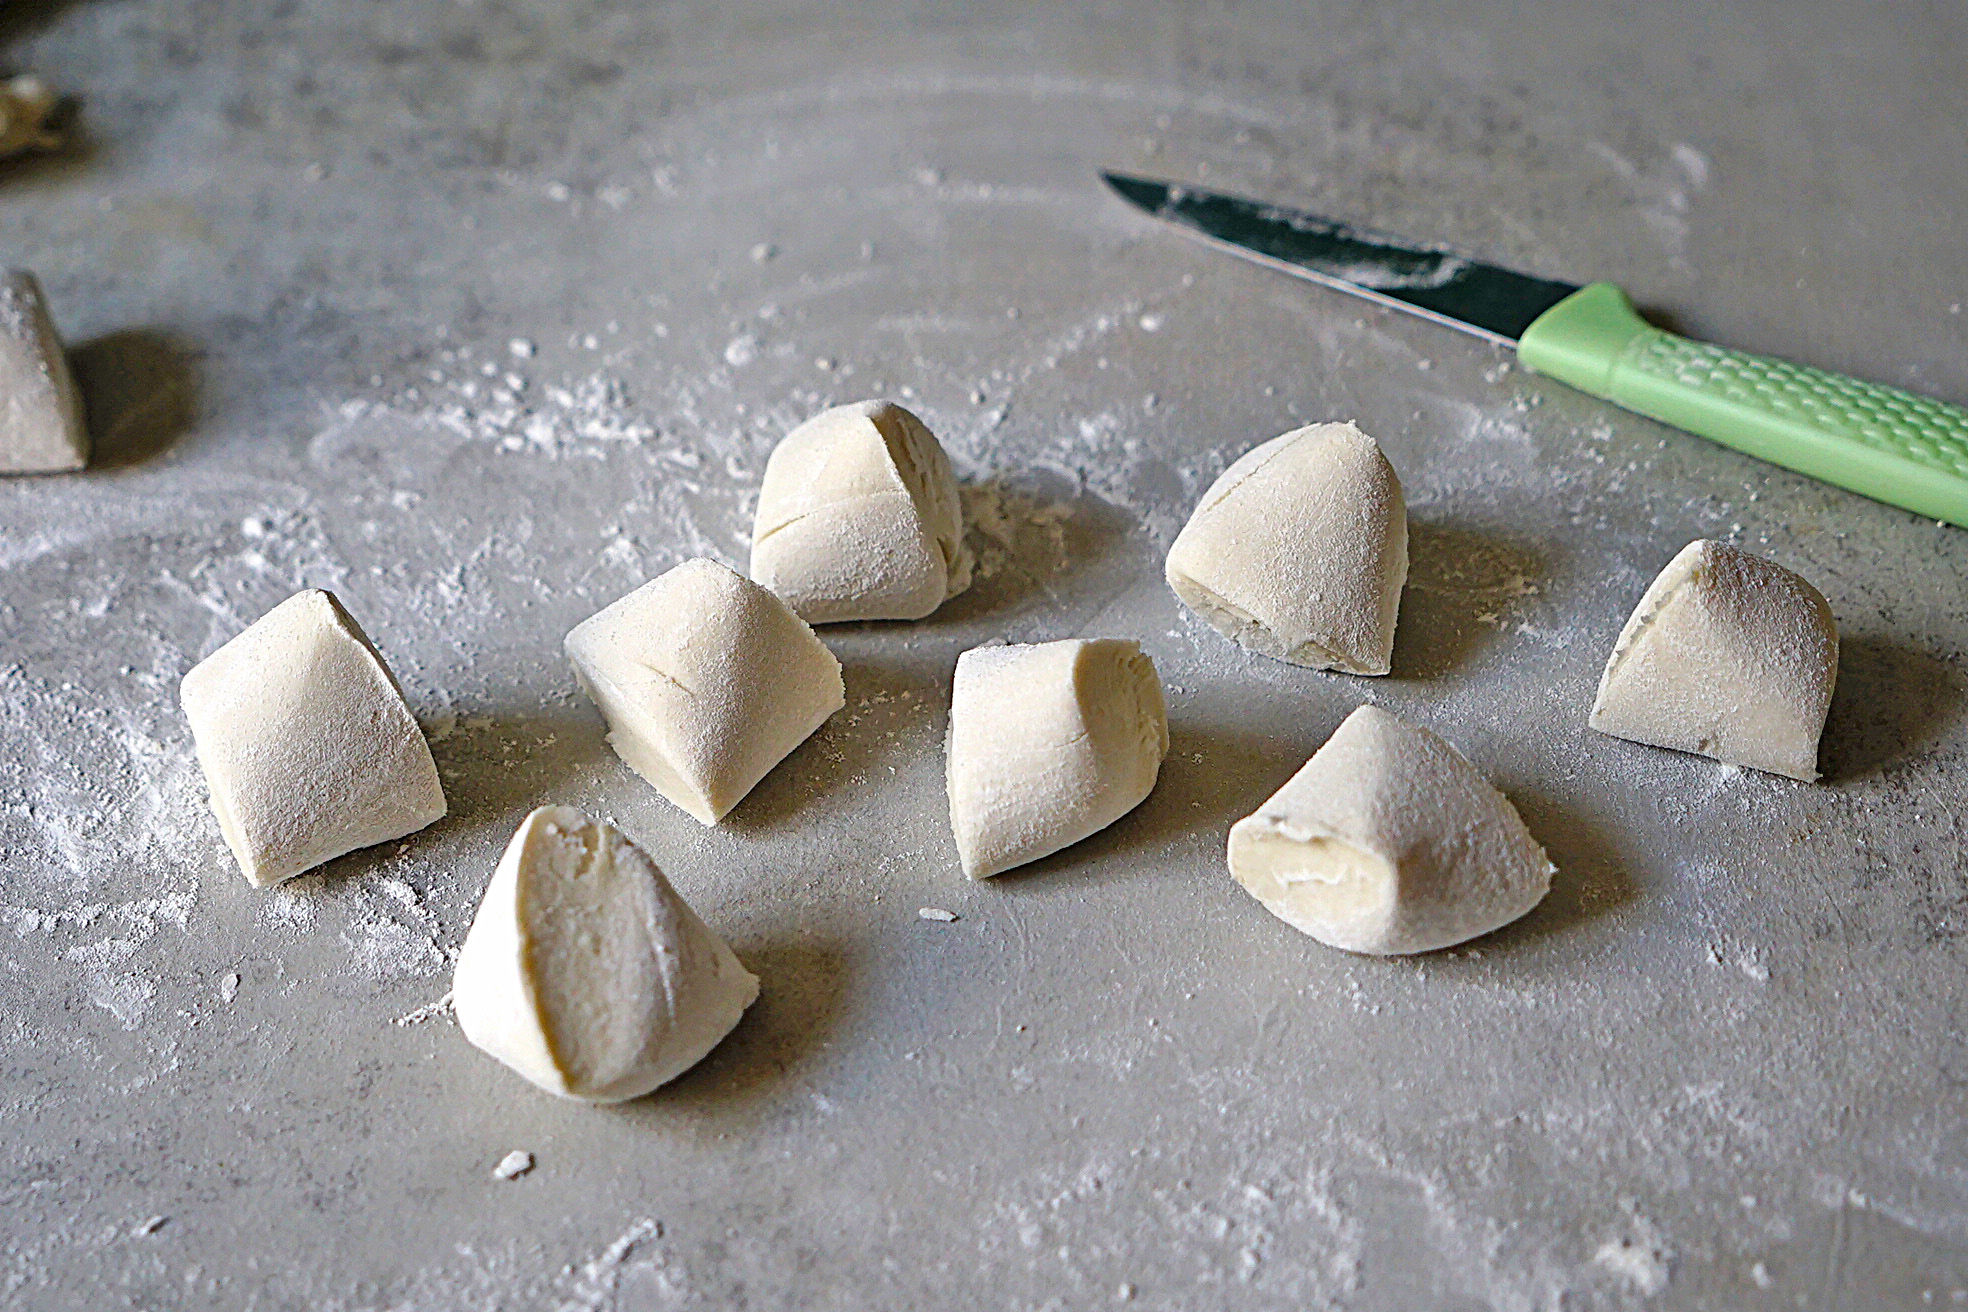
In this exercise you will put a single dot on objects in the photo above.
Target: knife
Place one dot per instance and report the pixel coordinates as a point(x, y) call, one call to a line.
point(1906, 450)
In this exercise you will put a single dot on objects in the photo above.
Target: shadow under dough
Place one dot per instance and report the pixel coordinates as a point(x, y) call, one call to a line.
point(803, 989)
point(889, 707)
point(1891, 700)
point(139, 392)
point(1214, 775)
point(509, 761)
point(1460, 583)
point(1024, 533)
point(1592, 877)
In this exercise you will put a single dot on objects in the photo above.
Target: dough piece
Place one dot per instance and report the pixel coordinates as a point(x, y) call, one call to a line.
point(306, 742)
point(41, 425)
point(707, 681)
point(1299, 551)
point(858, 518)
point(585, 972)
point(26, 104)
point(1388, 841)
point(1728, 655)
point(1048, 744)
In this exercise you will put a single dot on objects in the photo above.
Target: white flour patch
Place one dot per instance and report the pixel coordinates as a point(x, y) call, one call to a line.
point(390, 934)
point(632, 1271)
point(1641, 1260)
point(107, 972)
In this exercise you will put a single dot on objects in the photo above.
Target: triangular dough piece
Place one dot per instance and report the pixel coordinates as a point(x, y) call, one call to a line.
point(306, 743)
point(707, 681)
point(585, 972)
point(859, 518)
point(1299, 550)
point(1389, 841)
point(1048, 744)
point(1728, 655)
point(41, 424)
point(26, 105)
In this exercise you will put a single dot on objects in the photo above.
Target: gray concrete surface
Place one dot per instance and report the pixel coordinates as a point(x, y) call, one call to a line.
point(1721, 1067)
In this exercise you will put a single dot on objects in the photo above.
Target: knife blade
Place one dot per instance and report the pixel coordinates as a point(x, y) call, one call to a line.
point(1451, 289)
point(1894, 446)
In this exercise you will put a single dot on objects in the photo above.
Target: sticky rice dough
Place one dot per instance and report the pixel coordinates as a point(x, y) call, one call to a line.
point(1728, 655)
point(1389, 841)
point(1299, 551)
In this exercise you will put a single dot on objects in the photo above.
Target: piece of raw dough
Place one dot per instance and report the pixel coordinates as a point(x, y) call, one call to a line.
point(707, 681)
point(306, 743)
point(1299, 550)
point(41, 423)
point(858, 518)
point(1728, 655)
point(1389, 841)
point(26, 105)
point(585, 972)
point(1048, 744)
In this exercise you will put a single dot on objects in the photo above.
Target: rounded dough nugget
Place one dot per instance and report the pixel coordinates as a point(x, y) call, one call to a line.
point(1727, 655)
point(1389, 841)
point(859, 518)
point(585, 972)
point(707, 681)
point(1299, 550)
point(306, 743)
point(1048, 744)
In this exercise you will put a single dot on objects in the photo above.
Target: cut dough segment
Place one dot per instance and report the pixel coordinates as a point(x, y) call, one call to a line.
point(585, 972)
point(1048, 744)
point(1728, 655)
point(1389, 841)
point(859, 519)
point(41, 424)
point(306, 743)
point(26, 105)
point(1299, 550)
point(707, 681)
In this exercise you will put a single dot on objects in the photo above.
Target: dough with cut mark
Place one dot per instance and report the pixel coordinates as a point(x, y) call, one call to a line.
point(707, 681)
point(585, 972)
point(306, 743)
point(859, 518)
point(42, 430)
point(1728, 655)
point(1389, 841)
point(1049, 743)
point(1299, 551)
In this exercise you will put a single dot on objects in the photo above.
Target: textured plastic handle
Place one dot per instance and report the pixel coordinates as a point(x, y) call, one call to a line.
point(1906, 450)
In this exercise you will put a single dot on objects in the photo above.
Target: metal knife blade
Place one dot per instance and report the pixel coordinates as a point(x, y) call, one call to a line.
point(1493, 303)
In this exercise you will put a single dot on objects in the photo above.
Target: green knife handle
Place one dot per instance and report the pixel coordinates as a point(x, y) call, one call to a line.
point(1893, 446)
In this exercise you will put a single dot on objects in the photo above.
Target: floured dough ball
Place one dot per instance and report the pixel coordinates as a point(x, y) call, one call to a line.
point(1048, 744)
point(858, 518)
point(41, 423)
point(306, 743)
point(1299, 550)
point(26, 105)
point(707, 681)
point(585, 972)
point(1389, 841)
point(1728, 655)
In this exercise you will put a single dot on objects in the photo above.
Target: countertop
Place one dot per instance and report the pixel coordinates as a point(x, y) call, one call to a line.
point(297, 250)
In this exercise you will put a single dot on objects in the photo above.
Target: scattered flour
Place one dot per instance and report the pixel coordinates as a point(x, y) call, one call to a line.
point(633, 1262)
